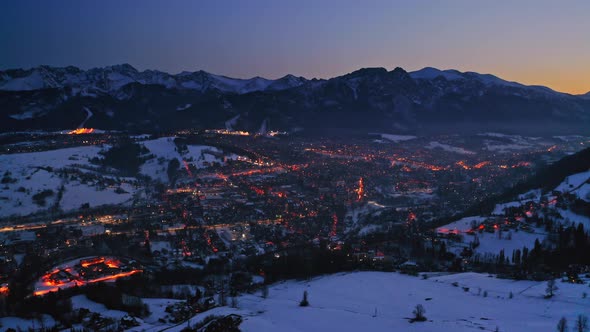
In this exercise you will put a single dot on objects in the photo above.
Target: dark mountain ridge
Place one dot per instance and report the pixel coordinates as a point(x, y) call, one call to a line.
point(429, 100)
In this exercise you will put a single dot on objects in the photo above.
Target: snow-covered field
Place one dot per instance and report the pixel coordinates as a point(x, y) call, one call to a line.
point(81, 301)
point(28, 174)
point(164, 150)
point(502, 143)
point(381, 301)
point(32, 173)
point(461, 225)
point(157, 309)
point(448, 148)
point(492, 244)
point(395, 138)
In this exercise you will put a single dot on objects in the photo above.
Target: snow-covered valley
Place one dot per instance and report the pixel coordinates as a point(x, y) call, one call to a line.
point(70, 177)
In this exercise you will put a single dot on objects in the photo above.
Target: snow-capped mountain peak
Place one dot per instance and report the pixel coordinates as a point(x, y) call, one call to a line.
point(286, 82)
point(487, 80)
point(430, 73)
point(111, 79)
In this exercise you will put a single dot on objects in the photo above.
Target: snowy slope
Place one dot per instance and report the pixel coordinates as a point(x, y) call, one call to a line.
point(574, 182)
point(492, 243)
point(460, 226)
point(382, 301)
point(34, 81)
point(348, 302)
point(583, 192)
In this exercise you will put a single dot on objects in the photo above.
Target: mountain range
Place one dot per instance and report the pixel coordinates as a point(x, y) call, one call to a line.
point(112, 78)
point(122, 98)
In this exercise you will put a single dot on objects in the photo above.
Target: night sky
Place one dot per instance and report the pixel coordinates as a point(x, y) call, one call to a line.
point(529, 41)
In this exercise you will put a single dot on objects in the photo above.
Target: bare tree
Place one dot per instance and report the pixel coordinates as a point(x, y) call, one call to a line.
point(562, 325)
point(582, 323)
point(551, 288)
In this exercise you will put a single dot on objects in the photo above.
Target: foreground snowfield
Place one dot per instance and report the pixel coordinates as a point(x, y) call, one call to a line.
point(379, 301)
point(347, 302)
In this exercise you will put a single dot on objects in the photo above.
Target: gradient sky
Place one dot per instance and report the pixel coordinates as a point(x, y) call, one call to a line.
point(529, 41)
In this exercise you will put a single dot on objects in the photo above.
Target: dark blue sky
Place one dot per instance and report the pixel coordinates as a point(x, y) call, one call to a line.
point(531, 41)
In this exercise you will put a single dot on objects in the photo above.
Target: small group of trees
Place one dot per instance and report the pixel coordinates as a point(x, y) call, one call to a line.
point(40, 197)
point(125, 156)
point(581, 324)
point(6, 179)
point(419, 314)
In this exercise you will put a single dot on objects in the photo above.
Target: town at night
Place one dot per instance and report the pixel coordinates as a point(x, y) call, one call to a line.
point(138, 193)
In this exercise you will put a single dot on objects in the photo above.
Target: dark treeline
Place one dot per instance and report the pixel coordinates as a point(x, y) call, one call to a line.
point(302, 262)
point(572, 248)
point(125, 156)
point(568, 253)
